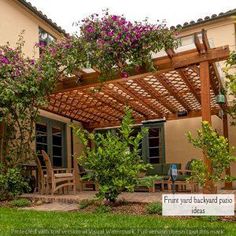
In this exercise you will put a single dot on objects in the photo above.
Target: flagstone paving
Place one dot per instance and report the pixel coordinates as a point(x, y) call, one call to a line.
point(144, 197)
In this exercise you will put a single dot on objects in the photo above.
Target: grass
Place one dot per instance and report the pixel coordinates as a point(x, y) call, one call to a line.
point(18, 219)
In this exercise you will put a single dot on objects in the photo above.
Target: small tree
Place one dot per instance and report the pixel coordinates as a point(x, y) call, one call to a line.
point(115, 159)
point(230, 72)
point(217, 150)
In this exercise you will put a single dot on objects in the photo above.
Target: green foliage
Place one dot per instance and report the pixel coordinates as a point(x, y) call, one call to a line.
point(216, 148)
point(103, 209)
point(21, 202)
point(154, 208)
point(85, 203)
point(148, 180)
point(115, 159)
point(199, 173)
point(12, 183)
point(230, 72)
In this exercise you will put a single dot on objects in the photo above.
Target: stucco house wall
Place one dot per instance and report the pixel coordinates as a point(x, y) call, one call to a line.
point(14, 18)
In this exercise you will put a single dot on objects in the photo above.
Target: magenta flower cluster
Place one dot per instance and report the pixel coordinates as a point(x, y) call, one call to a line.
point(119, 43)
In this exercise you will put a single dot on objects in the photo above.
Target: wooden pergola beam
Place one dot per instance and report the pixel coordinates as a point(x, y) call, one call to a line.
point(138, 99)
point(191, 114)
point(171, 54)
point(200, 47)
point(125, 101)
point(155, 94)
point(163, 64)
point(173, 93)
point(80, 111)
point(109, 104)
point(189, 85)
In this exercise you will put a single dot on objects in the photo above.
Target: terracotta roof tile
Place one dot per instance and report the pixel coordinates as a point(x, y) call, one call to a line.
point(206, 19)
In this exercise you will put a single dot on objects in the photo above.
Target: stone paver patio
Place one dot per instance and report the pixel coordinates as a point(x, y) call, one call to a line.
point(144, 197)
point(70, 202)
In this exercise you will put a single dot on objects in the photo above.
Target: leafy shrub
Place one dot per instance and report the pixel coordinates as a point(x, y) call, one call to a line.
point(103, 209)
point(148, 180)
point(154, 208)
point(12, 183)
point(217, 149)
point(115, 158)
point(21, 202)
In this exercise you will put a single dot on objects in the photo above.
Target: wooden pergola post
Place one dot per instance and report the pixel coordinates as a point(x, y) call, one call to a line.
point(228, 185)
point(206, 116)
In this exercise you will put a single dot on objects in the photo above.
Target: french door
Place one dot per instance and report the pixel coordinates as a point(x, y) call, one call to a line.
point(51, 137)
point(154, 144)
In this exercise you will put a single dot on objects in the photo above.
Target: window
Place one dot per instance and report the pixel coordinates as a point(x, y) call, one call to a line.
point(45, 38)
point(50, 136)
point(154, 146)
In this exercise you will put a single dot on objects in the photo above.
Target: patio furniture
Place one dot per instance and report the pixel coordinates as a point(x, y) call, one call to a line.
point(57, 179)
point(182, 181)
point(41, 177)
point(80, 173)
point(162, 171)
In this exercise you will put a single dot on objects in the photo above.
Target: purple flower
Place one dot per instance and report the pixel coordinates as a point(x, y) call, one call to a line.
point(90, 29)
point(110, 33)
point(124, 74)
point(32, 62)
point(114, 18)
point(4, 60)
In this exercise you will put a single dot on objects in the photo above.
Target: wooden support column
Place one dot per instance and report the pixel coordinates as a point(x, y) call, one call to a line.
point(206, 116)
point(228, 185)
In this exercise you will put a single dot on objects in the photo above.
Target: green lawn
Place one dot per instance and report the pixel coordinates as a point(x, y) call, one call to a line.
point(13, 219)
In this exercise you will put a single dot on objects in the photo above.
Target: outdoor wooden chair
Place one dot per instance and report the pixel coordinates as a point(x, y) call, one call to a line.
point(58, 178)
point(42, 177)
point(80, 182)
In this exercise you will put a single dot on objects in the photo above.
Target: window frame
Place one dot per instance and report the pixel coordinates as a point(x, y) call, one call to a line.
point(49, 124)
point(47, 40)
point(146, 147)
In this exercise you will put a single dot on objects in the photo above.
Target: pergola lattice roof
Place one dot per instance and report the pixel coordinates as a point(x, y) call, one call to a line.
point(173, 89)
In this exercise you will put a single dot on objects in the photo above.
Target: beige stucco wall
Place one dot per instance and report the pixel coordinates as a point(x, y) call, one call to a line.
point(14, 18)
point(222, 32)
point(179, 150)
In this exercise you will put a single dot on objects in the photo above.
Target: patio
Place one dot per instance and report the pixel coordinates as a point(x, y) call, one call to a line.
point(141, 197)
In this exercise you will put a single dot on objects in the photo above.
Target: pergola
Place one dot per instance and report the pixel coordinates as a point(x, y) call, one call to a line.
point(185, 84)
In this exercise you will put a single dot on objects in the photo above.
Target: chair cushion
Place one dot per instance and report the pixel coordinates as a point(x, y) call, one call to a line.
point(63, 175)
